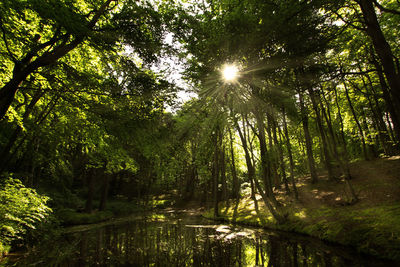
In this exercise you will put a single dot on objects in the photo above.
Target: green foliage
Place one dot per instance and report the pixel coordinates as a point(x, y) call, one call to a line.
point(115, 208)
point(123, 208)
point(72, 217)
point(21, 210)
point(66, 199)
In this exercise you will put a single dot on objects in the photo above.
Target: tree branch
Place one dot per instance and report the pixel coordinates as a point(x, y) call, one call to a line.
point(358, 72)
point(348, 23)
point(384, 9)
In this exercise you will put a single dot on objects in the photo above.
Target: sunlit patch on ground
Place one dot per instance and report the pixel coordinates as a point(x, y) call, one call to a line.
point(319, 194)
point(301, 214)
point(158, 217)
point(223, 229)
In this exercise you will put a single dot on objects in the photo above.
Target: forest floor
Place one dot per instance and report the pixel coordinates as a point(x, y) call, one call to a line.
point(372, 225)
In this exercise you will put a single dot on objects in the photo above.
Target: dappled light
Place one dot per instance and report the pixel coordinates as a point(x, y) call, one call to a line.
point(223, 229)
point(321, 194)
point(300, 214)
point(123, 123)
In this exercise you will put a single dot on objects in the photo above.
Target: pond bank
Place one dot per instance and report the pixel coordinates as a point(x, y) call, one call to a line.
point(372, 225)
point(368, 236)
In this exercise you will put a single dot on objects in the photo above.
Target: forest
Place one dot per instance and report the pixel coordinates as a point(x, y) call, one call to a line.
point(281, 114)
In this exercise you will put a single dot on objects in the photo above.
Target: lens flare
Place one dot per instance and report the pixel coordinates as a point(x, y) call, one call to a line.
point(230, 73)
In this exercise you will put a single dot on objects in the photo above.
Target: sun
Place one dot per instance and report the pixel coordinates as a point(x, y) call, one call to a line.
point(230, 73)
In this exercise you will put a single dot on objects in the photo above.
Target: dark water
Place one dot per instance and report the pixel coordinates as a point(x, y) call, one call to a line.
point(184, 240)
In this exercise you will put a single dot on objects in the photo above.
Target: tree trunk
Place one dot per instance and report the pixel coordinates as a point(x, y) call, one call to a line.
point(390, 129)
point(327, 116)
point(104, 191)
point(290, 155)
point(215, 175)
point(380, 126)
point(90, 194)
point(344, 164)
point(384, 133)
point(14, 136)
point(382, 47)
point(272, 156)
point(327, 156)
point(264, 159)
point(224, 188)
point(254, 198)
point(251, 175)
point(389, 101)
point(280, 155)
point(308, 140)
point(353, 112)
point(235, 181)
point(7, 93)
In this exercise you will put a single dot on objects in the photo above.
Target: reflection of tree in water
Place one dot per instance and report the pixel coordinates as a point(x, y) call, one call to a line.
point(142, 243)
point(160, 244)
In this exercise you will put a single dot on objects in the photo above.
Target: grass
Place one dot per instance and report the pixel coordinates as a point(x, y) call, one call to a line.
point(372, 225)
point(373, 230)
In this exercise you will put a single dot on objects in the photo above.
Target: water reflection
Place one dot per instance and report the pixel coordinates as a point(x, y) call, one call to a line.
point(179, 242)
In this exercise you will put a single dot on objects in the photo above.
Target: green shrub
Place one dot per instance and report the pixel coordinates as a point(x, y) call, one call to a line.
point(123, 208)
point(65, 199)
point(72, 217)
point(21, 209)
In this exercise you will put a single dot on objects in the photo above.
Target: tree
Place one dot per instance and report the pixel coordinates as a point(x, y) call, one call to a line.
point(60, 27)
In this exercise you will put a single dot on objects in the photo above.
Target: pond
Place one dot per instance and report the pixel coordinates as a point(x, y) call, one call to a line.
point(181, 239)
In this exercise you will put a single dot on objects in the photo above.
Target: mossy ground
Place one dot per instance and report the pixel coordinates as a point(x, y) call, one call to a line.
point(372, 224)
